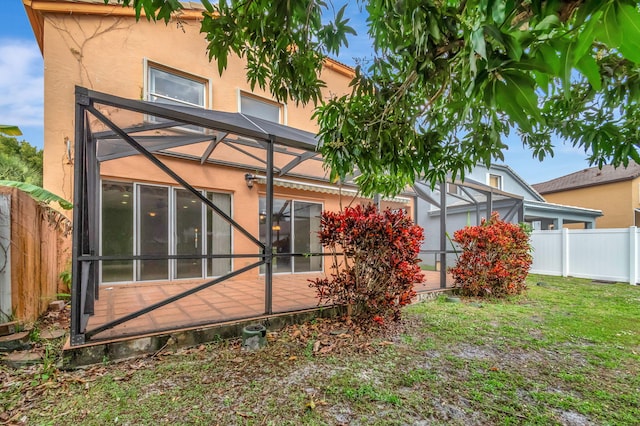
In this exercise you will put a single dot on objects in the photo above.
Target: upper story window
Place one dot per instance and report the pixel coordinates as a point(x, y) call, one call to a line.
point(261, 108)
point(495, 181)
point(175, 88)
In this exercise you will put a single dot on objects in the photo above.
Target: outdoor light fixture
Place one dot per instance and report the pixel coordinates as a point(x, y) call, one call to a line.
point(250, 179)
point(262, 216)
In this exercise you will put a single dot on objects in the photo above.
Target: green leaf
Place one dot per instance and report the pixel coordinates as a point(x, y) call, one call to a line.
point(523, 87)
point(514, 48)
point(634, 155)
point(10, 130)
point(498, 11)
point(507, 103)
point(38, 193)
point(542, 79)
point(208, 6)
point(548, 55)
point(585, 37)
point(631, 51)
point(549, 22)
point(517, 98)
point(566, 65)
point(434, 29)
point(478, 43)
point(610, 31)
point(629, 20)
point(589, 68)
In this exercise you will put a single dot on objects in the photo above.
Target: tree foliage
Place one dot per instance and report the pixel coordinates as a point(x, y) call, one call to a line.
point(496, 258)
point(448, 80)
point(20, 161)
point(374, 262)
point(39, 194)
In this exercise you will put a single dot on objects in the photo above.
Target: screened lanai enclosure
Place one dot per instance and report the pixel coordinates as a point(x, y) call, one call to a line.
point(176, 224)
point(142, 217)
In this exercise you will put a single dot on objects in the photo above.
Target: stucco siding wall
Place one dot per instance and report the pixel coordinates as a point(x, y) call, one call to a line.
point(614, 199)
point(107, 54)
point(635, 195)
point(509, 183)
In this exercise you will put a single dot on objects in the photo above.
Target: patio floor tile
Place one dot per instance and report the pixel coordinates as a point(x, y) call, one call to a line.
point(230, 300)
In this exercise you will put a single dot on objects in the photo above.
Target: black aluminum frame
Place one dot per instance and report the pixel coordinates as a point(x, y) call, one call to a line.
point(516, 208)
point(85, 279)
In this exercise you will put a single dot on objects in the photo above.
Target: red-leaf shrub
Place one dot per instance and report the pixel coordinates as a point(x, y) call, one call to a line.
point(374, 262)
point(495, 260)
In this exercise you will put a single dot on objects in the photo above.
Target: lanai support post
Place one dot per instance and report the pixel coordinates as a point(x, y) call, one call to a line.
point(76, 329)
point(268, 266)
point(521, 211)
point(93, 228)
point(489, 203)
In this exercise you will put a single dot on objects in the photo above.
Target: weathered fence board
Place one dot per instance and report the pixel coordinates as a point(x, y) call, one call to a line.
point(39, 251)
point(5, 258)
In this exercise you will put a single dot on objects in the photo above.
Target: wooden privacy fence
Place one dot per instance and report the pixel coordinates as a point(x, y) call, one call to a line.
point(600, 254)
point(34, 250)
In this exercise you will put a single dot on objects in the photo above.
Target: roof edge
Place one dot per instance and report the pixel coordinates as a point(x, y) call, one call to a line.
point(589, 185)
point(36, 8)
point(554, 206)
point(521, 180)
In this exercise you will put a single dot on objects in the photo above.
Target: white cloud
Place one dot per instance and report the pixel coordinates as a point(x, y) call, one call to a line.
point(21, 83)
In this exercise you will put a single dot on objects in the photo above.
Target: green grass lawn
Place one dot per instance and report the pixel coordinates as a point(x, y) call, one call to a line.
point(566, 353)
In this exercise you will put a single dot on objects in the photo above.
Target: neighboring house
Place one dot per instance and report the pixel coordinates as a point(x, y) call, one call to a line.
point(615, 191)
point(498, 188)
point(142, 212)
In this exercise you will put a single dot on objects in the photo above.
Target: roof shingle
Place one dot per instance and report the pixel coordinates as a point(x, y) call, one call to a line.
point(589, 177)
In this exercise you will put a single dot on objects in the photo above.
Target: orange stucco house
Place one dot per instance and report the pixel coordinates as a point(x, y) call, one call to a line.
point(615, 191)
point(147, 236)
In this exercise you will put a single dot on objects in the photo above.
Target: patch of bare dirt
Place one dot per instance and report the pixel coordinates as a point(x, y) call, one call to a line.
point(571, 418)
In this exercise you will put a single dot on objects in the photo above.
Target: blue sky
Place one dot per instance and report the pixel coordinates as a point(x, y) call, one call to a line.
point(21, 74)
point(21, 92)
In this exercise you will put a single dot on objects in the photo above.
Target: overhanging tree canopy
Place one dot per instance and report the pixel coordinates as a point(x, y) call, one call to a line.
point(449, 80)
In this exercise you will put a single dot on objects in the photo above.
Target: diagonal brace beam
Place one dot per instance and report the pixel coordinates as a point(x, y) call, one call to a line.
point(169, 300)
point(214, 143)
point(293, 163)
point(425, 195)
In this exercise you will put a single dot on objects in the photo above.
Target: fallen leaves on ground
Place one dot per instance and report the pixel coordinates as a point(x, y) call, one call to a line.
point(317, 338)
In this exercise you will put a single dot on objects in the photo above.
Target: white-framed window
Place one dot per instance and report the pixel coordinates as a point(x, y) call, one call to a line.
point(494, 181)
point(255, 106)
point(158, 220)
point(174, 87)
point(170, 86)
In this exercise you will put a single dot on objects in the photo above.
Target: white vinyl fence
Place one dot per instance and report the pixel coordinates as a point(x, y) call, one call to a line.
point(599, 254)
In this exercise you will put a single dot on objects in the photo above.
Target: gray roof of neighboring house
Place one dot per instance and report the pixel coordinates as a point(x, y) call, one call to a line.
point(589, 177)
